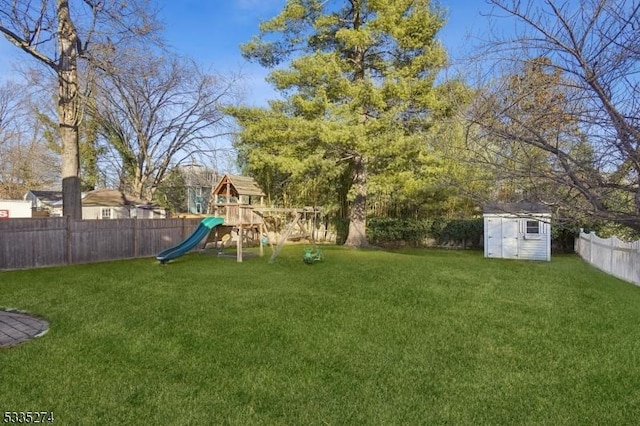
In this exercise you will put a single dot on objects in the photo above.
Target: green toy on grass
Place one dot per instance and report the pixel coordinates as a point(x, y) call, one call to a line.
point(312, 255)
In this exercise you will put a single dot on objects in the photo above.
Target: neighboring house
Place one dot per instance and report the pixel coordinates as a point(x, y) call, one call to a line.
point(45, 203)
point(114, 204)
point(517, 231)
point(11, 209)
point(199, 181)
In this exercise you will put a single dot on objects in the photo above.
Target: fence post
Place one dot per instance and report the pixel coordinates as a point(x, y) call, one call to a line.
point(612, 250)
point(135, 238)
point(68, 256)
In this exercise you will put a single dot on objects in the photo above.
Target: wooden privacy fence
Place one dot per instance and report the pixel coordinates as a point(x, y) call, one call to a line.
point(30, 243)
point(611, 255)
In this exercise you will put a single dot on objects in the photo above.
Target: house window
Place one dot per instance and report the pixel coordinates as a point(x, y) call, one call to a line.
point(533, 227)
point(105, 213)
point(198, 191)
point(198, 208)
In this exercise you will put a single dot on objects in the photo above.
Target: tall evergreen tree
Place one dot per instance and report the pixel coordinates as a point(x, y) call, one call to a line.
point(359, 92)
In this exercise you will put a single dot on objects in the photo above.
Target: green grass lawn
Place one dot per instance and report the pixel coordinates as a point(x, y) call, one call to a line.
point(364, 337)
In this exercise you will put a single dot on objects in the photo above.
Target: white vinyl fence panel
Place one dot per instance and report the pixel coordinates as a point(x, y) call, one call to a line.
point(616, 257)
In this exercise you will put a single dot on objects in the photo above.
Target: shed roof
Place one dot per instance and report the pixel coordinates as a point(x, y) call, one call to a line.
point(516, 208)
point(243, 185)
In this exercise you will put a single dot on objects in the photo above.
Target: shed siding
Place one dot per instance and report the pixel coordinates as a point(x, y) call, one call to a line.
point(536, 248)
point(533, 249)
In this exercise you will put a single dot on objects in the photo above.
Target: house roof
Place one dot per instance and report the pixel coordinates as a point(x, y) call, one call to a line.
point(243, 185)
point(48, 197)
point(110, 198)
point(196, 175)
point(516, 208)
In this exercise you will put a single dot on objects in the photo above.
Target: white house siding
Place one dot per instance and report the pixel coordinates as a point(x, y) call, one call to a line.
point(120, 212)
point(15, 209)
point(95, 212)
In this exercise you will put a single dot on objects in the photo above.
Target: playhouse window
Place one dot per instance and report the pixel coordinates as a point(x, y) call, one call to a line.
point(533, 227)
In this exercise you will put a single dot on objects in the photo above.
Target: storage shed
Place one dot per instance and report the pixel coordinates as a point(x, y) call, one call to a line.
point(517, 231)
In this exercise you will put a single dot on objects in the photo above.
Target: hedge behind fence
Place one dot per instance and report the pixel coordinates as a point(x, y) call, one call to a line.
point(466, 233)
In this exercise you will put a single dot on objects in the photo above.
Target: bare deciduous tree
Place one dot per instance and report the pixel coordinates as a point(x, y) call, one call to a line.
point(60, 33)
point(25, 161)
point(9, 110)
point(156, 112)
point(585, 120)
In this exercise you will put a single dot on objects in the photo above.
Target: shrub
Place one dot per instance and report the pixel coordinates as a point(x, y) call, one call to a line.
point(397, 231)
point(458, 232)
point(563, 238)
point(465, 233)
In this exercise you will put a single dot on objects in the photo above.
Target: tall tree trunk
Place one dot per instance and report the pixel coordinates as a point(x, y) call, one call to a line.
point(68, 112)
point(357, 236)
point(344, 185)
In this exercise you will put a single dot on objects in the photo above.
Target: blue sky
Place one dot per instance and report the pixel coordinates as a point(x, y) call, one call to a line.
point(210, 31)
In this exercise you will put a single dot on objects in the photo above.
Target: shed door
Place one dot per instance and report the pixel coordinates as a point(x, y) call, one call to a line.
point(510, 238)
point(493, 231)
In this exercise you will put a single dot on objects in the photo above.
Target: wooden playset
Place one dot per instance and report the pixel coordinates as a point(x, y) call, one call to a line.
point(240, 202)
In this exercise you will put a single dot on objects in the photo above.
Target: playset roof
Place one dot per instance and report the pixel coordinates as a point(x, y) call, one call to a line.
point(240, 185)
